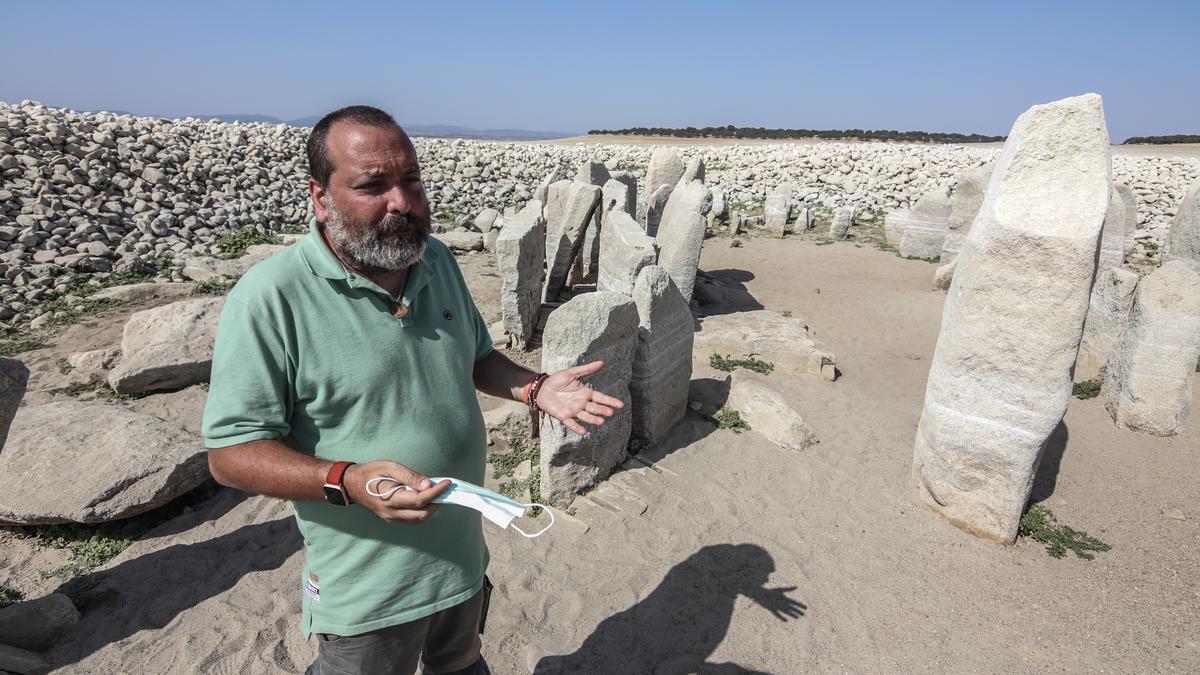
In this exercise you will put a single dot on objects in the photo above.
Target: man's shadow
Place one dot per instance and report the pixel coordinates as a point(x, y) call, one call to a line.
point(679, 625)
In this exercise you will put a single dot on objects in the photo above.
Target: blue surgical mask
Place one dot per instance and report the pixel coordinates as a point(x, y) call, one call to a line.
point(494, 506)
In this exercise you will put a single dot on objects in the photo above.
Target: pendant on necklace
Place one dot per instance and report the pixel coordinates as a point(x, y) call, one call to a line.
point(400, 310)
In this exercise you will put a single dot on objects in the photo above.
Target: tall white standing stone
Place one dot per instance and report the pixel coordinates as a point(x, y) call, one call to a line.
point(662, 362)
point(1107, 317)
point(1000, 378)
point(925, 232)
point(520, 251)
point(630, 182)
point(565, 240)
point(778, 209)
point(665, 169)
point(594, 326)
point(654, 210)
point(1130, 200)
point(681, 234)
point(1112, 235)
point(624, 250)
point(964, 206)
point(1148, 384)
point(1183, 242)
point(693, 171)
point(843, 216)
point(587, 262)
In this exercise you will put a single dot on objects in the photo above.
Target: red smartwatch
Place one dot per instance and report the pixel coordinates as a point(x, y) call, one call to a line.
point(335, 489)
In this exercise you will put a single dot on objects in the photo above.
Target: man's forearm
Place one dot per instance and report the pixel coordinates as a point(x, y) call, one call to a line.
point(271, 468)
point(496, 375)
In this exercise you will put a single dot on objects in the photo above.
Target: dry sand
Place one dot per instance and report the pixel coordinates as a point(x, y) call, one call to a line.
point(702, 560)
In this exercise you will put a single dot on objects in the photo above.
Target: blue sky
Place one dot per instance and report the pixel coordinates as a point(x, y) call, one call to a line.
point(938, 66)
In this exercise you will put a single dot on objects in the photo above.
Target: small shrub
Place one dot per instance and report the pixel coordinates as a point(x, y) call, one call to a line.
point(9, 596)
point(1040, 525)
point(730, 419)
point(217, 286)
point(787, 313)
point(1086, 389)
point(724, 363)
point(235, 242)
point(736, 243)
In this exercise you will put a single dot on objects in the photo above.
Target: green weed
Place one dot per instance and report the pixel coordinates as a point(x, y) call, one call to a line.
point(1086, 389)
point(736, 243)
point(235, 242)
point(218, 286)
point(730, 419)
point(9, 596)
point(727, 364)
point(1040, 525)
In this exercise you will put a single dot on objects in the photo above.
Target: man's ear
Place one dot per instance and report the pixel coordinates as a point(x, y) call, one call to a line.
point(316, 192)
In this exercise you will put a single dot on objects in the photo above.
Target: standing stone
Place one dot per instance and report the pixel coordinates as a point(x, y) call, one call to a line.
point(614, 196)
point(662, 362)
point(1000, 378)
point(542, 192)
point(718, 215)
point(630, 182)
point(588, 261)
point(564, 244)
point(1183, 242)
point(804, 220)
point(893, 226)
point(594, 326)
point(778, 209)
point(843, 216)
point(1107, 317)
point(14, 378)
point(1148, 384)
point(657, 204)
point(681, 234)
point(925, 232)
point(1130, 201)
point(1112, 235)
point(964, 206)
point(624, 250)
point(665, 169)
point(520, 251)
point(693, 171)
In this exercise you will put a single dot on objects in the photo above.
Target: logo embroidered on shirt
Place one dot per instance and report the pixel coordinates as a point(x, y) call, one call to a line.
point(449, 316)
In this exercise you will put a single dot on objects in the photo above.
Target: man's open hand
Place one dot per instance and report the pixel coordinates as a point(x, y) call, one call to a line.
point(566, 398)
point(412, 505)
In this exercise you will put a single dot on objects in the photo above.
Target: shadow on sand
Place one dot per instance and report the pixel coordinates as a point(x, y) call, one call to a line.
point(724, 292)
point(678, 626)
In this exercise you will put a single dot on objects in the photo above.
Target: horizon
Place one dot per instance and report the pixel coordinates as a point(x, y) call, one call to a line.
point(936, 67)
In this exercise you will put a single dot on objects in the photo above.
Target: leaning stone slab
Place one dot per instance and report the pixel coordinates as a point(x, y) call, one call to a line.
point(767, 413)
point(1112, 235)
point(1000, 378)
point(587, 262)
point(662, 362)
point(843, 216)
point(1107, 317)
point(780, 340)
point(91, 463)
point(1130, 200)
point(14, 378)
point(925, 231)
point(593, 326)
point(1148, 384)
point(654, 210)
point(1183, 242)
point(168, 347)
point(566, 240)
point(36, 624)
point(778, 209)
point(630, 182)
point(624, 250)
point(964, 206)
point(681, 234)
point(520, 251)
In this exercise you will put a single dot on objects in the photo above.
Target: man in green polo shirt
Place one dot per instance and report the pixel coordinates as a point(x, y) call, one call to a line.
point(355, 354)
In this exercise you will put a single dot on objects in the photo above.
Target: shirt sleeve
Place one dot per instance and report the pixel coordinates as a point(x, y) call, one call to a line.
point(483, 338)
point(249, 395)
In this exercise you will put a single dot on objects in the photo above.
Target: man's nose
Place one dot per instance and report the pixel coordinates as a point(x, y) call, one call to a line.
point(399, 200)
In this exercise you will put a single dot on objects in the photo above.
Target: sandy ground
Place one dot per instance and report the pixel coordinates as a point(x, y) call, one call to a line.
point(720, 552)
point(1175, 150)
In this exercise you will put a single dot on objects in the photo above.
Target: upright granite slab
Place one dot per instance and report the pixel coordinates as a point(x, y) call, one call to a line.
point(631, 184)
point(1112, 234)
point(1148, 384)
point(693, 171)
point(662, 362)
point(925, 231)
point(617, 195)
point(1183, 242)
point(681, 234)
point(564, 241)
point(587, 262)
point(843, 217)
point(664, 170)
point(624, 251)
point(964, 206)
point(778, 209)
point(167, 347)
point(656, 204)
point(1107, 317)
point(520, 252)
point(14, 378)
point(1000, 378)
point(1131, 219)
point(594, 326)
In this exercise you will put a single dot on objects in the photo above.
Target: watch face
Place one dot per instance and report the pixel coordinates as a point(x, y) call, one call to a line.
point(334, 494)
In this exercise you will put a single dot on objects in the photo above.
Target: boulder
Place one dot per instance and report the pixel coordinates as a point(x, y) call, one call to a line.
point(780, 340)
point(767, 412)
point(925, 231)
point(594, 326)
point(91, 463)
point(168, 347)
point(146, 291)
point(461, 241)
point(1148, 383)
point(486, 220)
point(23, 661)
point(1000, 378)
point(36, 624)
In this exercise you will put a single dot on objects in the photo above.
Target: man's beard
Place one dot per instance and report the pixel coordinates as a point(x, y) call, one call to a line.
point(391, 244)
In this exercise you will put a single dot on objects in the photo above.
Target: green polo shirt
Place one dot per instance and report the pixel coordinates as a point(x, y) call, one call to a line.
point(313, 355)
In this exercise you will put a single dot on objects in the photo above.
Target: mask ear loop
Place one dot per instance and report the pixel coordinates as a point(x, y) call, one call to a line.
point(387, 493)
point(539, 532)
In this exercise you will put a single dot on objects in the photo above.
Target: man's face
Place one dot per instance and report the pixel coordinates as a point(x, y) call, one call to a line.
point(374, 207)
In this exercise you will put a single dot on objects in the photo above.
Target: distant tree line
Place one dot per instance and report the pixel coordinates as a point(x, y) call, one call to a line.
point(730, 131)
point(1162, 140)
